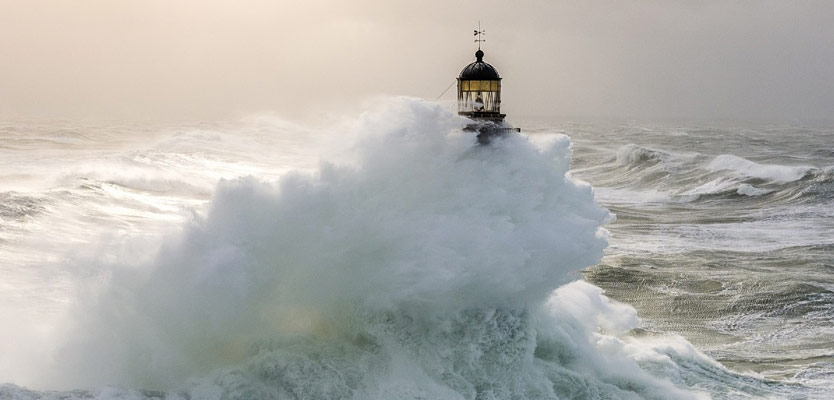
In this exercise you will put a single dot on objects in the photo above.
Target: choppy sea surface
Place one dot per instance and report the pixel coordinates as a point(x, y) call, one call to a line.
point(390, 257)
point(724, 234)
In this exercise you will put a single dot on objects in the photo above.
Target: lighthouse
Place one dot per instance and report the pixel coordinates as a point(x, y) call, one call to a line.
point(479, 97)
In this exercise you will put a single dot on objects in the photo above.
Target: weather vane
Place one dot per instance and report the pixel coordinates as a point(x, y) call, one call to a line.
point(478, 33)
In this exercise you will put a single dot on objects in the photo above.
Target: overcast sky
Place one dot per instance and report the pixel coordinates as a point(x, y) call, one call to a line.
point(211, 59)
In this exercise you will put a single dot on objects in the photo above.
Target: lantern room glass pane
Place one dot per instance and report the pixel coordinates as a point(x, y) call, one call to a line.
point(480, 86)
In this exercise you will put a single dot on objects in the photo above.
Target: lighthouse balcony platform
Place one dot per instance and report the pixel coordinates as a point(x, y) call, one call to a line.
point(484, 115)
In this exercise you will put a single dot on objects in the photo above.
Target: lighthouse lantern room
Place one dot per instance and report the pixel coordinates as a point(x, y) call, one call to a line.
point(479, 89)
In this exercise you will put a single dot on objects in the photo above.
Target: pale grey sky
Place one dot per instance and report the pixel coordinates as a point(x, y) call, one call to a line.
point(211, 59)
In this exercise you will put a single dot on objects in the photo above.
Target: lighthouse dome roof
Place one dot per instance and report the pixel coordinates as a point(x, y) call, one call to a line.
point(479, 70)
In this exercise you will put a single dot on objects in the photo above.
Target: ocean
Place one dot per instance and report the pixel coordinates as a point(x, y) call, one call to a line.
point(388, 256)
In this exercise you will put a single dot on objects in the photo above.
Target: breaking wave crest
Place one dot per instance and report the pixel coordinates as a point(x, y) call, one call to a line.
point(636, 156)
point(749, 169)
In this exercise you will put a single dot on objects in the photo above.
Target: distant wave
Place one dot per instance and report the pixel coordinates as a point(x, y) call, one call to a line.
point(693, 177)
point(14, 206)
point(633, 156)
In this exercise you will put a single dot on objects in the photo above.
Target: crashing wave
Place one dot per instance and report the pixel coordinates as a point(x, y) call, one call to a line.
point(419, 266)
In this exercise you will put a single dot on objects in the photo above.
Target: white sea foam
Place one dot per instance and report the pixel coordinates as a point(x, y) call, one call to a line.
point(630, 196)
point(752, 191)
point(714, 186)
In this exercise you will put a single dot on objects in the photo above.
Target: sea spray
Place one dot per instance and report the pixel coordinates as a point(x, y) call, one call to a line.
point(421, 266)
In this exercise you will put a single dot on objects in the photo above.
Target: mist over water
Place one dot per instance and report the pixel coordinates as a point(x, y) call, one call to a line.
point(403, 262)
